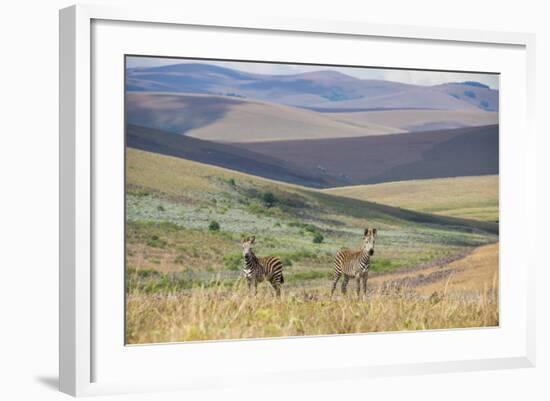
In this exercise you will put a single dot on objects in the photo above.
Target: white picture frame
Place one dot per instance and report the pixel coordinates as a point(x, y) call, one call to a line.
point(85, 331)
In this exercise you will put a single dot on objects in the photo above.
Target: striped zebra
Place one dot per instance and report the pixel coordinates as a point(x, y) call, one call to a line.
point(257, 269)
point(354, 264)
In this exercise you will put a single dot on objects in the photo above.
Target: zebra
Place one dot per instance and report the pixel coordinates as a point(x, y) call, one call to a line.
point(354, 264)
point(257, 269)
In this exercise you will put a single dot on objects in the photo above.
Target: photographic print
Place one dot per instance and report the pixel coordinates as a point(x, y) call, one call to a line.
point(271, 199)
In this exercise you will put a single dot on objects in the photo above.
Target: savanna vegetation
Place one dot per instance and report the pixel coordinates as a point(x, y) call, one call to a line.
point(183, 258)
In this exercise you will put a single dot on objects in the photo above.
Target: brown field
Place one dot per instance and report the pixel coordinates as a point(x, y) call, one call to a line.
point(220, 118)
point(467, 197)
point(459, 294)
point(420, 120)
point(475, 273)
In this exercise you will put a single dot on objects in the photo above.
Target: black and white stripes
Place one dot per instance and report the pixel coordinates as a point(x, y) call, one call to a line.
point(257, 269)
point(354, 264)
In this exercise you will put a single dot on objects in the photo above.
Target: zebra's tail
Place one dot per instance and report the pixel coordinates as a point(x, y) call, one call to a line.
point(282, 278)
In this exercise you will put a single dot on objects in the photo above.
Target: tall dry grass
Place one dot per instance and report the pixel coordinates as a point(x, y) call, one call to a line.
point(222, 313)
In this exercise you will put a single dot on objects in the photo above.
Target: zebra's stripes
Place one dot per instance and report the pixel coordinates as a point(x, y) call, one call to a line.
point(354, 264)
point(257, 269)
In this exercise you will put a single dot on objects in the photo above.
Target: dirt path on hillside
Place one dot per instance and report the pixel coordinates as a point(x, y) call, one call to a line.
point(474, 271)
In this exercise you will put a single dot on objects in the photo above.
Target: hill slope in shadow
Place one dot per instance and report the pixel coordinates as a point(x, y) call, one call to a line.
point(227, 156)
point(398, 157)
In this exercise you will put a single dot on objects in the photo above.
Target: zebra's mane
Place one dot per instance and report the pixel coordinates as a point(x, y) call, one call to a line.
point(251, 255)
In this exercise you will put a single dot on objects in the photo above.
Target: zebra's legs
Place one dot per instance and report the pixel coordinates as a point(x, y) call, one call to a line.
point(358, 286)
point(345, 284)
point(365, 278)
point(277, 287)
point(252, 285)
point(334, 282)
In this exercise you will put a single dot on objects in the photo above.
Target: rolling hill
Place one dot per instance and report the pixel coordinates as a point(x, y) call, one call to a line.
point(324, 163)
point(173, 254)
point(224, 155)
point(411, 120)
point(375, 159)
point(467, 197)
point(323, 89)
point(170, 203)
point(229, 119)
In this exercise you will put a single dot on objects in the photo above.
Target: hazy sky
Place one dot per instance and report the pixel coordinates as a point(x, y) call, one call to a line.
point(405, 76)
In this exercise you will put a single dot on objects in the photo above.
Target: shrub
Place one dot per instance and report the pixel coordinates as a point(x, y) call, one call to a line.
point(156, 242)
point(214, 226)
point(318, 238)
point(160, 208)
point(310, 228)
point(269, 199)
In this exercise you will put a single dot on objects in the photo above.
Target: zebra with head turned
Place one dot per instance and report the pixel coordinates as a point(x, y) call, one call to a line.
point(354, 264)
point(257, 269)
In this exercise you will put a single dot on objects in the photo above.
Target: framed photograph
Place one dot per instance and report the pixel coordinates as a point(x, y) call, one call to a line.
point(288, 199)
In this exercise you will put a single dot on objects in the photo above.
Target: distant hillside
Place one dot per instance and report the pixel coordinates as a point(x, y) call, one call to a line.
point(187, 182)
point(374, 159)
point(474, 93)
point(323, 163)
point(232, 119)
point(323, 89)
point(468, 197)
point(411, 120)
point(222, 155)
point(228, 119)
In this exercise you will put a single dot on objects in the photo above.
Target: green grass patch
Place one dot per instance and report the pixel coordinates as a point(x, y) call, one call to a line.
point(383, 265)
point(156, 242)
point(233, 261)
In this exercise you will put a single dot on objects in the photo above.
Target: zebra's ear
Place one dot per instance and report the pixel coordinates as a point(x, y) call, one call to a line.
point(366, 232)
point(252, 239)
point(243, 239)
point(374, 230)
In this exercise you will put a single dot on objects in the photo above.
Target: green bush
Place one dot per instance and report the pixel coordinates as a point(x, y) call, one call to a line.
point(269, 199)
point(156, 242)
point(160, 208)
point(318, 238)
point(214, 226)
point(310, 228)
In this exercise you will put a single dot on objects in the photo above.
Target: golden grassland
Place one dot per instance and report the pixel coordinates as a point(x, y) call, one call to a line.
point(466, 298)
point(182, 278)
point(175, 176)
point(473, 274)
point(467, 197)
